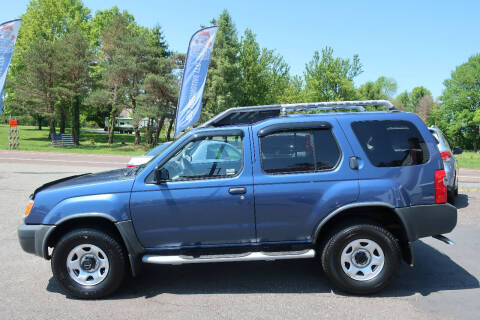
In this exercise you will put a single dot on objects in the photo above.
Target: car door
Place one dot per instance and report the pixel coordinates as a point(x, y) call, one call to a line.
point(207, 198)
point(302, 174)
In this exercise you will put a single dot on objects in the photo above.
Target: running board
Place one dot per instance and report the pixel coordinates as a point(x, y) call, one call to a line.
point(444, 239)
point(251, 256)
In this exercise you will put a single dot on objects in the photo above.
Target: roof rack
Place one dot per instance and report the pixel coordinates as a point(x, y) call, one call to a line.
point(248, 115)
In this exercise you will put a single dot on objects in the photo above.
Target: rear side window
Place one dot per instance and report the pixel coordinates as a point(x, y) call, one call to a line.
point(299, 151)
point(391, 143)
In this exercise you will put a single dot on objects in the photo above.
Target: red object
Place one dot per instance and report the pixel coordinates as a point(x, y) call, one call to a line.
point(131, 165)
point(308, 145)
point(440, 187)
point(445, 155)
point(13, 123)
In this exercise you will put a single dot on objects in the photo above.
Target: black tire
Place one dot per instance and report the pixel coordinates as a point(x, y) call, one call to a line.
point(331, 258)
point(110, 246)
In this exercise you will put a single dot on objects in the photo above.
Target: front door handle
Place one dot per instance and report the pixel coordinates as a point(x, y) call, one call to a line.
point(240, 190)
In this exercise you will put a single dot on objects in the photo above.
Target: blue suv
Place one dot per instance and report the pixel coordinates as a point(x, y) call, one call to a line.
point(350, 186)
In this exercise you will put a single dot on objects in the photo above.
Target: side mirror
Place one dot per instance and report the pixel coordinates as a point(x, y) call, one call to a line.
point(457, 151)
point(162, 175)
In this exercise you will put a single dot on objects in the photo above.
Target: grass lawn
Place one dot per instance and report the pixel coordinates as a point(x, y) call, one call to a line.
point(32, 139)
point(469, 159)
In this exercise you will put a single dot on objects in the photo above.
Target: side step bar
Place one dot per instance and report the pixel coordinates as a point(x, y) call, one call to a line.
point(444, 239)
point(252, 256)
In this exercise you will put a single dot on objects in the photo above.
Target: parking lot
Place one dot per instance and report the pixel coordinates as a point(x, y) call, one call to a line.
point(443, 284)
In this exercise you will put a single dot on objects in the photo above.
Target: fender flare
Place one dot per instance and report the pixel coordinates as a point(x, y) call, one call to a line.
point(407, 247)
point(125, 229)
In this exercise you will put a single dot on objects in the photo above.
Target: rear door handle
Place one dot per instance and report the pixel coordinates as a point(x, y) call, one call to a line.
point(240, 190)
point(353, 161)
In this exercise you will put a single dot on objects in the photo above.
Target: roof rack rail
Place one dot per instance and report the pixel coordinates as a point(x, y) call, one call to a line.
point(252, 114)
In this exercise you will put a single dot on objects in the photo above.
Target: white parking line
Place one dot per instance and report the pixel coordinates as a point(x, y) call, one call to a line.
point(64, 161)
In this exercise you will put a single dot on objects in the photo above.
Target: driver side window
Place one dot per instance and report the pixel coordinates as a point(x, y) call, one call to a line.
point(207, 158)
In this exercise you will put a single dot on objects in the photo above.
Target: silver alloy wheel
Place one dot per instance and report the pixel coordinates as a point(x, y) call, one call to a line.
point(362, 259)
point(87, 264)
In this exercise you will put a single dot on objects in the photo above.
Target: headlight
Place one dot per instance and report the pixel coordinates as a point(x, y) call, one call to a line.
point(29, 208)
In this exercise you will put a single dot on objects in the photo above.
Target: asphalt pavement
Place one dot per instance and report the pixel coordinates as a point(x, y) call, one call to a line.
point(443, 284)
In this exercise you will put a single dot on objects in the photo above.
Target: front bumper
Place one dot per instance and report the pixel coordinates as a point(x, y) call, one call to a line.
point(428, 220)
point(32, 238)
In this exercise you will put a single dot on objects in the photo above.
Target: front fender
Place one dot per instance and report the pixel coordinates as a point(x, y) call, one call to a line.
point(114, 207)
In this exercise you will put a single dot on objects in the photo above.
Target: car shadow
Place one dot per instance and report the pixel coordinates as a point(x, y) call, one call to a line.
point(433, 272)
point(461, 201)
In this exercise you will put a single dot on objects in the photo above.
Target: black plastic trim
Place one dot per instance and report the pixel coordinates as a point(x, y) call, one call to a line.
point(135, 249)
point(217, 132)
point(427, 220)
point(33, 238)
point(291, 126)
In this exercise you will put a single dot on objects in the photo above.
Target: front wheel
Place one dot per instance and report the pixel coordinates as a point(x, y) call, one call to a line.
point(361, 259)
point(88, 263)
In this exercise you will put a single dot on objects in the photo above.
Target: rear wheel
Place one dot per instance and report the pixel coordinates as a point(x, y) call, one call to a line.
point(361, 259)
point(88, 263)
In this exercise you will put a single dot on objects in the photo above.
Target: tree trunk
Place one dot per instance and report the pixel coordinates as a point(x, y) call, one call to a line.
point(39, 122)
point(147, 132)
point(63, 117)
point(76, 120)
point(138, 138)
point(159, 129)
point(51, 110)
point(111, 126)
point(170, 127)
point(52, 127)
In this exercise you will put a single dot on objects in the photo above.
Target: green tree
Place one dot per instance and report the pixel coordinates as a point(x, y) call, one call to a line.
point(263, 74)
point(112, 89)
point(36, 85)
point(382, 88)
point(222, 89)
point(74, 57)
point(159, 87)
point(402, 101)
point(460, 103)
point(46, 20)
point(328, 78)
point(104, 19)
point(417, 94)
point(294, 91)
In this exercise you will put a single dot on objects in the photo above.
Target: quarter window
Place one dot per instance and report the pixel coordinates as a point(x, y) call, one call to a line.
point(299, 151)
point(204, 158)
point(391, 143)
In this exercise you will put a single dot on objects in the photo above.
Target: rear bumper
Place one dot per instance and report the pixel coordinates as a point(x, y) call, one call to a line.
point(428, 220)
point(32, 238)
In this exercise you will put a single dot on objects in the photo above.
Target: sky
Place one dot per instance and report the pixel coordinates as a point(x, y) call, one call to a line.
point(414, 42)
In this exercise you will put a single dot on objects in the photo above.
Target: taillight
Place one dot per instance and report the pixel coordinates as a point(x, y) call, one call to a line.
point(440, 187)
point(445, 155)
point(131, 165)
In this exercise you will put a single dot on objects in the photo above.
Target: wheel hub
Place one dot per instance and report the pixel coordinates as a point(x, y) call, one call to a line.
point(89, 263)
point(361, 258)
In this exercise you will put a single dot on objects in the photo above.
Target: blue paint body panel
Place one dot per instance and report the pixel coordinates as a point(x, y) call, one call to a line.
point(189, 213)
point(105, 192)
point(289, 206)
point(275, 208)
